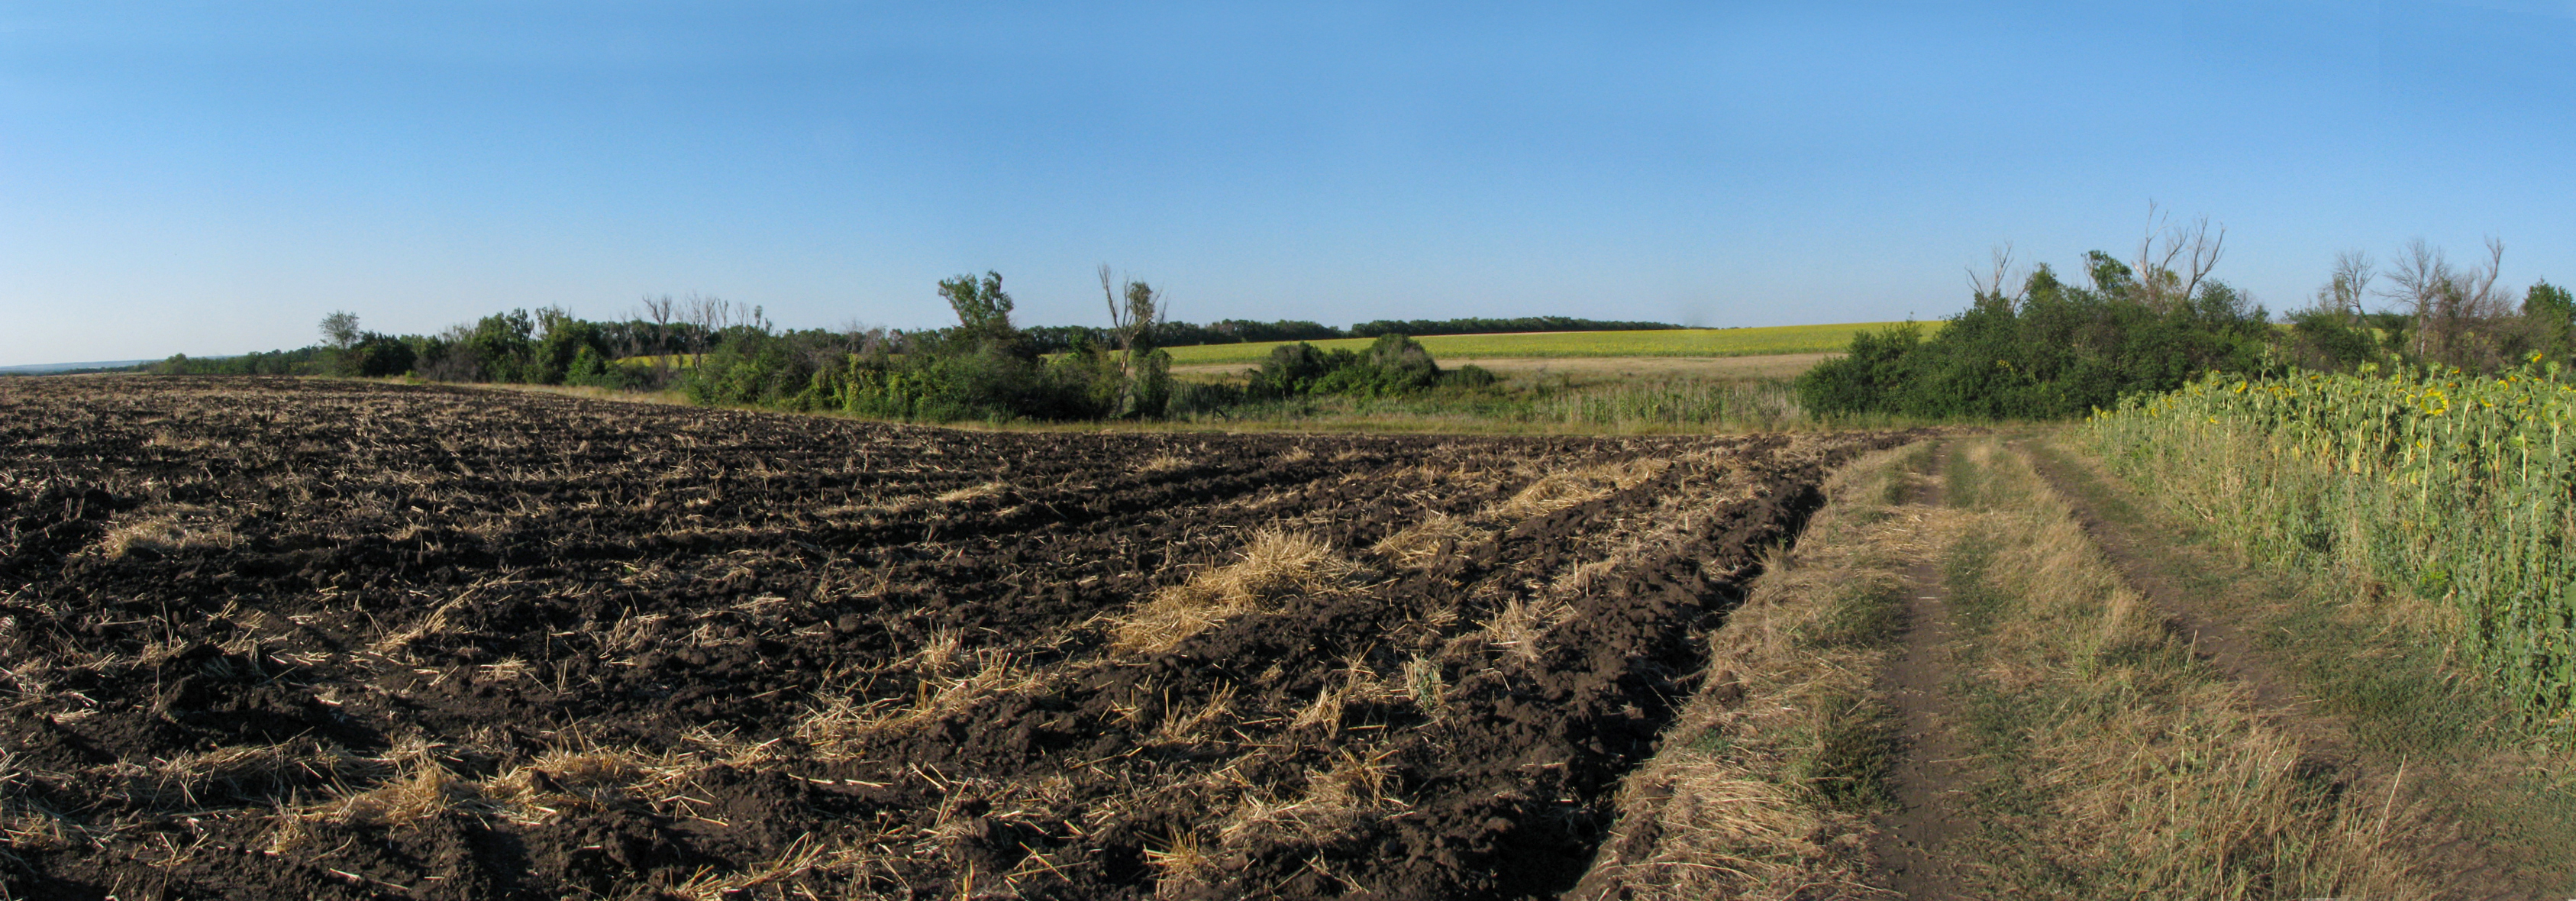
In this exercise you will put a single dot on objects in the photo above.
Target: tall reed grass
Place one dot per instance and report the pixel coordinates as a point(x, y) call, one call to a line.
point(1672, 403)
point(1629, 405)
point(2456, 491)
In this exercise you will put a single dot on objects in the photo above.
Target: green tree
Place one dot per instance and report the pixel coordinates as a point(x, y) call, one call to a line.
point(1135, 313)
point(561, 339)
point(501, 345)
point(340, 338)
point(983, 309)
point(2052, 349)
point(2550, 313)
point(340, 330)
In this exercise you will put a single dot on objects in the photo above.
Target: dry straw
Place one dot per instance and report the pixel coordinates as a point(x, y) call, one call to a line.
point(1273, 564)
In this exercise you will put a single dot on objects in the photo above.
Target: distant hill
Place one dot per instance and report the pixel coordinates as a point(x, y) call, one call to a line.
point(50, 368)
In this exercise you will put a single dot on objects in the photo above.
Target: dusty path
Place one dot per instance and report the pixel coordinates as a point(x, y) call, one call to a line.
point(1908, 847)
point(2153, 566)
point(2220, 644)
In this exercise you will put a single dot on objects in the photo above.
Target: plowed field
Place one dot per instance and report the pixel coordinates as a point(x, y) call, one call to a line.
point(290, 639)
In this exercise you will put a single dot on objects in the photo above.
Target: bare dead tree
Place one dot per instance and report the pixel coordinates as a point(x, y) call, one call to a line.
point(2188, 245)
point(1994, 281)
point(1135, 308)
point(2447, 302)
point(709, 317)
point(660, 311)
point(1117, 312)
point(2350, 281)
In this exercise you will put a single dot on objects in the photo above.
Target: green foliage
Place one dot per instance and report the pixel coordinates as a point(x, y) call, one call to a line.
point(499, 347)
point(1470, 376)
point(348, 350)
point(2329, 340)
point(1053, 339)
point(2550, 312)
point(2448, 487)
point(562, 340)
point(983, 310)
point(376, 356)
point(2551, 304)
point(340, 330)
point(1393, 364)
point(980, 370)
point(300, 361)
point(2055, 351)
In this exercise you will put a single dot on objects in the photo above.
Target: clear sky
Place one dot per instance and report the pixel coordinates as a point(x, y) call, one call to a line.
point(212, 178)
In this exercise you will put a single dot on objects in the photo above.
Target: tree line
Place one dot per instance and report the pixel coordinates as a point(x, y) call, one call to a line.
point(1060, 338)
point(720, 352)
point(2036, 346)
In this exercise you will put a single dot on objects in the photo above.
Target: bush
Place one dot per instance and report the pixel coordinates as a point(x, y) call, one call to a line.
point(2053, 352)
point(1395, 364)
point(1470, 376)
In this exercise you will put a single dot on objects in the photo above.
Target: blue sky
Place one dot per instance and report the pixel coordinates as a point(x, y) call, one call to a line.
point(212, 178)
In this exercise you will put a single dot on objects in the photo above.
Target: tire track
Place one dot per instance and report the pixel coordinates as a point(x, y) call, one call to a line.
point(1909, 843)
point(2461, 869)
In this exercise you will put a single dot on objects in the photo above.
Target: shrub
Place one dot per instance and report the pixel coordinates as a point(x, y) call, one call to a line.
point(2051, 352)
point(1395, 364)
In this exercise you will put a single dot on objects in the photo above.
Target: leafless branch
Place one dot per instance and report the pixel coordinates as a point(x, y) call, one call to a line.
point(2344, 289)
point(2189, 245)
point(1992, 282)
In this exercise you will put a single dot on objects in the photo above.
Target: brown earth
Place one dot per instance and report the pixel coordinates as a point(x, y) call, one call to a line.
point(1930, 769)
point(273, 638)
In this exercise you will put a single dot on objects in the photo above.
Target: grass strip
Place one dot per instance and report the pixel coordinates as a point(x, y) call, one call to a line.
point(2111, 761)
point(1765, 785)
point(2364, 655)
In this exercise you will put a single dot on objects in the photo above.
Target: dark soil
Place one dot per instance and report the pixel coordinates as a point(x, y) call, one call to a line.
point(266, 638)
point(1931, 768)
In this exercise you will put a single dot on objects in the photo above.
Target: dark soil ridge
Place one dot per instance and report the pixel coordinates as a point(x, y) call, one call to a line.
point(2460, 869)
point(342, 581)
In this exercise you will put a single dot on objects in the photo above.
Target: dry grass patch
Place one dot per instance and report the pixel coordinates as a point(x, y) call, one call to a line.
point(1559, 490)
point(423, 788)
point(1766, 782)
point(1274, 563)
point(1181, 866)
point(811, 867)
point(837, 726)
point(1163, 463)
point(2122, 764)
point(1517, 628)
point(250, 772)
point(1354, 683)
point(166, 530)
point(1335, 798)
point(1422, 544)
point(970, 492)
point(1188, 728)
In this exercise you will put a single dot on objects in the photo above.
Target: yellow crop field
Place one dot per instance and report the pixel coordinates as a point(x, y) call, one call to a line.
point(1698, 342)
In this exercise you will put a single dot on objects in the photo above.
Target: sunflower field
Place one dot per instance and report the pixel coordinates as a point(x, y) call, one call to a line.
point(2456, 490)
